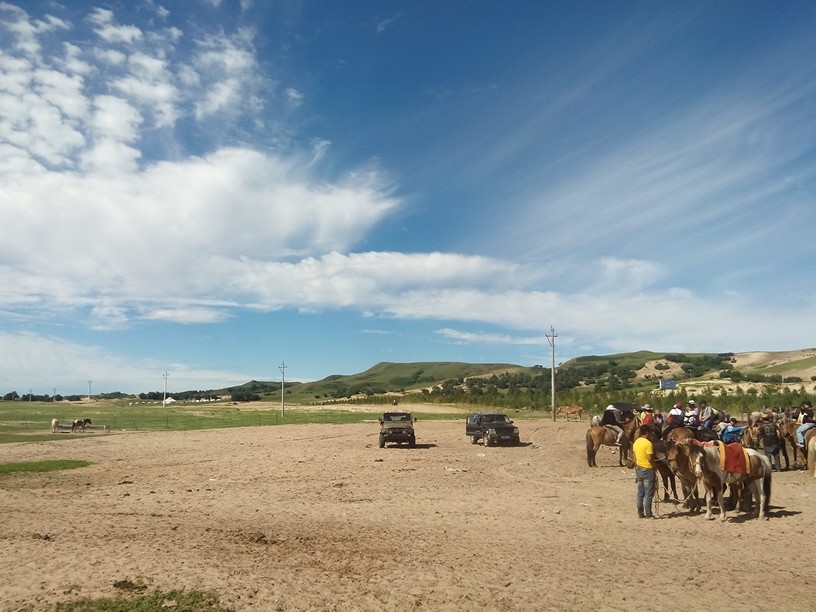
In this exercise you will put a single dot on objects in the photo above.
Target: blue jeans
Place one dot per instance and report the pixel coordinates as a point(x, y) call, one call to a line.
point(800, 432)
point(772, 453)
point(645, 478)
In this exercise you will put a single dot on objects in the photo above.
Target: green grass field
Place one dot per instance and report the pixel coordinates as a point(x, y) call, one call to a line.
point(31, 421)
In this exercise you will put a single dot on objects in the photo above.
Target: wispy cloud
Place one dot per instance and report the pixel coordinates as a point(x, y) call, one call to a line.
point(386, 24)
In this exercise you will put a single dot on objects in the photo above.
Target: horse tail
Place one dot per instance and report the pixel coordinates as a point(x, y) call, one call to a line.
point(590, 445)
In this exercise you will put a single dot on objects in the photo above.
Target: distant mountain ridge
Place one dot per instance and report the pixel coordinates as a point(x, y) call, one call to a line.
point(394, 377)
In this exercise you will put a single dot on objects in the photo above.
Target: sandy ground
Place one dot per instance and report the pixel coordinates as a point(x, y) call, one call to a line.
point(317, 517)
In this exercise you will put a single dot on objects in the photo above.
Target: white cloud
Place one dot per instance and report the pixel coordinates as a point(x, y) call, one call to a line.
point(463, 337)
point(111, 33)
point(294, 97)
point(385, 24)
point(31, 361)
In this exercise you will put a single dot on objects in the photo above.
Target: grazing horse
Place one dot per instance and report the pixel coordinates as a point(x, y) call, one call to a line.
point(80, 425)
point(568, 410)
point(706, 462)
point(598, 435)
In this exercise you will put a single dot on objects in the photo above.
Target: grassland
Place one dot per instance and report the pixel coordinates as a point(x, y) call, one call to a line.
point(31, 421)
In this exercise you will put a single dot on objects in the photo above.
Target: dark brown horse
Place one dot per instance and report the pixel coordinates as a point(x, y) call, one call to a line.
point(662, 467)
point(599, 435)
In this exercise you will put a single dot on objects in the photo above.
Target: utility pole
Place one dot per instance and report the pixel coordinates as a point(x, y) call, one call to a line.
point(89, 390)
point(164, 399)
point(551, 340)
point(54, 398)
point(282, 368)
point(30, 393)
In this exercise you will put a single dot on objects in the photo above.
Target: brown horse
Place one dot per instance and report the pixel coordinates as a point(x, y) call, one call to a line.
point(662, 468)
point(786, 437)
point(599, 435)
point(678, 434)
point(569, 410)
point(676, 456)
point(811, 455)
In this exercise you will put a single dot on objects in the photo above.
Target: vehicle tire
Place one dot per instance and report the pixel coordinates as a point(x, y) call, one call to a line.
point(474, 439)
point(412, 441)
point(382, 441)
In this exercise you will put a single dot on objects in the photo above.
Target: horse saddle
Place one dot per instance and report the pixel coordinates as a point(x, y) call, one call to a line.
point(734, 458)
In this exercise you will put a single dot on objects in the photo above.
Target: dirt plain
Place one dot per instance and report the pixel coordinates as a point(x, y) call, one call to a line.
point(317, 517)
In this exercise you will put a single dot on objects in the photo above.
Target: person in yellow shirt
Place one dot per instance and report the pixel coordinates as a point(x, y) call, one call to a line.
point(644, 471)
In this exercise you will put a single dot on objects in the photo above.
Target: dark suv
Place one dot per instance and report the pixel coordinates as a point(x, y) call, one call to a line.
point(397, 427)
point(492, 427)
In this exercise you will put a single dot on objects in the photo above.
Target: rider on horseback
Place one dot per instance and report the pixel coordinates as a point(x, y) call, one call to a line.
point(612, 419)
point(732, 433)
point(808, 422)
point(691, 418)
point(676, 419)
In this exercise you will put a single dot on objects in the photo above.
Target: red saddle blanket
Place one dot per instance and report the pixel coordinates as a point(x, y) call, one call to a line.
point(733, 458)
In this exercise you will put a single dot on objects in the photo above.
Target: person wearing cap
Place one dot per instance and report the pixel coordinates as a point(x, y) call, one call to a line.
point(676, 416)
point(770, 435)
point(612, 418)
point(808, 422)
point(691, 418)
point(732, 433)
point(647, 416)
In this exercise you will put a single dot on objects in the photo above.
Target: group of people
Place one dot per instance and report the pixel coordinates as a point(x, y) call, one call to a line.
point(769, 434)
point(692, 416)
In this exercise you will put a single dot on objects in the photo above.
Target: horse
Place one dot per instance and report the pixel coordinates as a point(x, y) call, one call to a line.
point(678, 434)
point(662, 468)
point(598, 435)
point(676, 458)
point(54, 425)
point(705, 462)
point(595, 420)
point(80, 424)
point(811, 455)
point(568, 410)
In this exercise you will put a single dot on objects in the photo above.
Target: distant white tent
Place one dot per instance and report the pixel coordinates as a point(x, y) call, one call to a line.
point(169, 400)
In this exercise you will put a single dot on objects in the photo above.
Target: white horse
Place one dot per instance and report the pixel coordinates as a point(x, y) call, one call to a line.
point(706, 462)
point(54, 425)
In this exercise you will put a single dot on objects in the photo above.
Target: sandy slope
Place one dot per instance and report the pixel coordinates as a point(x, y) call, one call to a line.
point(317, 517)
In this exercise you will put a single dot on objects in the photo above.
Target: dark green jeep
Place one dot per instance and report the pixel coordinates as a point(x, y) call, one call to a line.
point(492, 427)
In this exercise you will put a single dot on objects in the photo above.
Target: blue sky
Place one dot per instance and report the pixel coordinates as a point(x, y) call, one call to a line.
point(213, 188)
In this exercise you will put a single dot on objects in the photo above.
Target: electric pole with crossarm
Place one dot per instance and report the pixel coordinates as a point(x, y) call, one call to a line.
point(551, 339)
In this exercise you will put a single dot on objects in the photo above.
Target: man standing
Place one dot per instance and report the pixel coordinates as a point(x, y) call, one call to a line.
point(644, 472)
point(769, 434)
